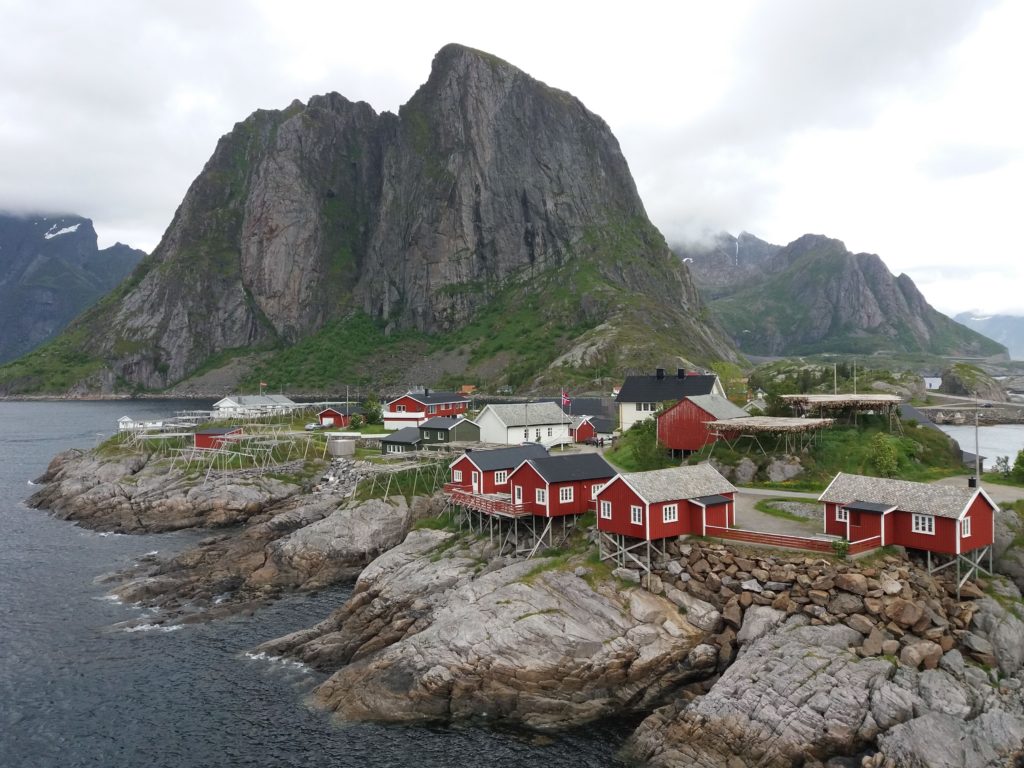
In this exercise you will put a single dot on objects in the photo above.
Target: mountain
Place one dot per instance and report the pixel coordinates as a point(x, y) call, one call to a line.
point(1005, 329)
point(50, 270)
point(814, 296)
point(721, 262)
point(491, 207)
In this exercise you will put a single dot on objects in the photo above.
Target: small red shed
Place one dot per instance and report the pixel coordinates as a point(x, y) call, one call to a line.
point(339, 417)
point(559, 485)
point(214, 437)
point(666, 502)
point(582, 429)
point(488, 471)
point(683, 427)
point(944, 519)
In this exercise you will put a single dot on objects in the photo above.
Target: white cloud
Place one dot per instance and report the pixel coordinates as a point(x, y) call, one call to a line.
point(894, 127)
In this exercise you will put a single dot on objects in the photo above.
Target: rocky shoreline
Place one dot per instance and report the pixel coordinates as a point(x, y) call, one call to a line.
point(737, 657)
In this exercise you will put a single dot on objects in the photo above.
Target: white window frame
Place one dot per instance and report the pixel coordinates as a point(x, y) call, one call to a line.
point(670, 513)
point(399, 409)
point(433, 409)
point(565, 494)
point(606, 509)
point(456, 475)
point(526, 434)
point(593, 490)
point(550, 432)
point(636, 514)
point(965, 528)
point(540, 495)
point(924, 524)
point(501, 477)
point(842, 515)
point(517, 494)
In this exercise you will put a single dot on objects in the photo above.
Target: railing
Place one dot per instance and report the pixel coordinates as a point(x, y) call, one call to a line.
point(863, 545)
point(490, 504)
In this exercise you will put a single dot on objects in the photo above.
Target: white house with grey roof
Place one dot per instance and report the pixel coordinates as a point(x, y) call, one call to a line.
point(515, 423)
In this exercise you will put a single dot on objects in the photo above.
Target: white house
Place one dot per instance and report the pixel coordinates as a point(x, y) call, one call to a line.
point(252, 405)
point(640, 397)
point(515, 423)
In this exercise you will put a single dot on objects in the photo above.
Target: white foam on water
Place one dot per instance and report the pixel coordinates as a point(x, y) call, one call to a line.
point(154, 552)
point(151, 627)
point(278, 660)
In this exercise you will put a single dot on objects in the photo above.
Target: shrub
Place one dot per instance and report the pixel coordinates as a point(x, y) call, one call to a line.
point(1002, 466)
point(1018, 467)
point(883, 455)
point(841, 547)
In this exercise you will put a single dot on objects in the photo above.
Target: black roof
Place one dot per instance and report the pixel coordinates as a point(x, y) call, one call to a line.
point(867, 506)
point(435, 398)
point(507, 458)
point(651, 389)
point(404, 435)
point(345, 410)
point(709, 501)
point(579, 466)
point(440, 422)
point(602, 425)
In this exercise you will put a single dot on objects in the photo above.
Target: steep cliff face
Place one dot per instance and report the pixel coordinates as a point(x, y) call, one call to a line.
point(50, 270)
point(815, 296)
point(721, 262)
point(485, 188)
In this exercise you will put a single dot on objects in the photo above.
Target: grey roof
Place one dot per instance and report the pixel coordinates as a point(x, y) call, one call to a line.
point(867, 506)
point(713, 499)
point(260, 401)
point(717, 406)
point(602, 425)
point(920, 498)
point(217, 431)
point(689, 482)
point(408, 435)
point(528, 414)
point(580, 466)
point(651, 389)
point(348, 409)
point(440, 422)
point(506, 458)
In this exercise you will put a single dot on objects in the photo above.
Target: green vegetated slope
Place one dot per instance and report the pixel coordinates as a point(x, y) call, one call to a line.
point(815, 296)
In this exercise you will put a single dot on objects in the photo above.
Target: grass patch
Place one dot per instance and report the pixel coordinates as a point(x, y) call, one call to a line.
point(767, 506)
point(443, 522)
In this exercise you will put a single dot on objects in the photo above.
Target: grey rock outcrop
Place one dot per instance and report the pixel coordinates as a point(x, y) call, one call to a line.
point(439, 637)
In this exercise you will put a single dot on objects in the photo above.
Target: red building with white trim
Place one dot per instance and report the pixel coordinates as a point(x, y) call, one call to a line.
point(488, 471)
point(582, 429)
point(666, 502)
point(339, 417)
point(944, 519)
point(683, 427)
point(556, 486)
point(412, 409)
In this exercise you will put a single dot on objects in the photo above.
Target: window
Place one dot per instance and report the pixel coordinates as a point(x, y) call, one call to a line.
point(965, 528)
point(549, 432)
point(456, 475)
point(606, 510)
point(645, 406)
point(565, 494)
point(433, 409)
point(399, 409)
point(842, 515)
point(670, 513)
point(636, 515)
point(541, 496)
point(594, 489)
point(501, 477)
point(526, 434)
point(923, 524)
point(538, 435)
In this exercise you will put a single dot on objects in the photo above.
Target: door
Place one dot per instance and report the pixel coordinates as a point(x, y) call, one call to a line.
point(518, 494)
point(476, 482)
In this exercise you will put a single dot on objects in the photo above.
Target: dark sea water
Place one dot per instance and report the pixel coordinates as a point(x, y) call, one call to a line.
point(74, 691)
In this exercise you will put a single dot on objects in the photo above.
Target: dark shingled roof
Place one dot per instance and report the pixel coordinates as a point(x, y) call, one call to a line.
point(867, 506)
point(602, 425)
point(440, 422)
point(407, 435)
point(346, 410)
point(709, 501)
point(580, 466)
point(507, 458)
point(651, 389)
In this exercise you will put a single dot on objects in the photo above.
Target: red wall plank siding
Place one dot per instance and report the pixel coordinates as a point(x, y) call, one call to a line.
point(982, 525)
point(585, 431)
point(340, 419)
point(621, 497)
point(440, 409)
point(682, 427)
point(943, 540)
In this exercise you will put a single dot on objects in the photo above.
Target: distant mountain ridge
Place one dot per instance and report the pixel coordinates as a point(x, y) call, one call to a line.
point(814, 296)
point(493, 210)
point(1005, 329)
point(50, 270)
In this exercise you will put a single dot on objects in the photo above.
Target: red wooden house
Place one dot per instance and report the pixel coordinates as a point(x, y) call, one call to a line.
point(215, 437)
point(555, 486)
point(412, 409)
point(339, 417)
point(942, 519)
point(666, 502)
point(582, 430)
point(483, 472)
point(683, 427)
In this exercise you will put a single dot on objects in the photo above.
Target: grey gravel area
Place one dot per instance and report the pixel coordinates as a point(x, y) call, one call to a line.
point(810, 511)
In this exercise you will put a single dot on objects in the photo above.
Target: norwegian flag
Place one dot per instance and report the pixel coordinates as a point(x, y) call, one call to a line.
point(566, 402)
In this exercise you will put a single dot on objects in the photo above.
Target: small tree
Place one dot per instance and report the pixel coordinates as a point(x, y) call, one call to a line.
point(1002, 466)
point(883, 456)
point(372, 411)
point(356, 421)
point(841, 547)
point(1017, 473)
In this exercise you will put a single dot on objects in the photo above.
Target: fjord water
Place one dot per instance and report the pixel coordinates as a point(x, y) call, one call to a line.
point(76, 691)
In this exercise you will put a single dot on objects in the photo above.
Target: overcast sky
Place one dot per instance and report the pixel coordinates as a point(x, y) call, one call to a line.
point(897, 127)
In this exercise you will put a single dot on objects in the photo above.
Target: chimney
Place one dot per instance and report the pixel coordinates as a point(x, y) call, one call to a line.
point(426, 392)
point(972, 482)
point(680, 373)
point(659, 373)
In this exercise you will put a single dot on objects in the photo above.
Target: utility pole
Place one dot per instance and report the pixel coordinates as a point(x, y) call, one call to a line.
point(977, 454)
point(835, 378)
